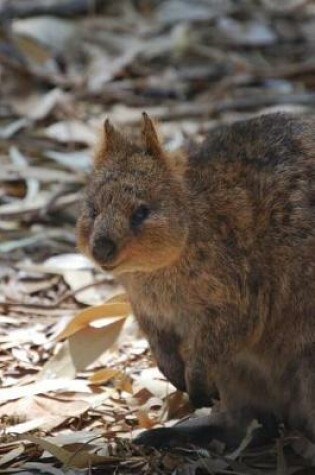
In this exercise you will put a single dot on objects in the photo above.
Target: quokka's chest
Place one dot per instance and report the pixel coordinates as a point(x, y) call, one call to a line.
point(176, 302)
point(163, 308)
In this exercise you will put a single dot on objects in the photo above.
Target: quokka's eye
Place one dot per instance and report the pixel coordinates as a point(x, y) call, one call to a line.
point(92, 211)
point(139, 215)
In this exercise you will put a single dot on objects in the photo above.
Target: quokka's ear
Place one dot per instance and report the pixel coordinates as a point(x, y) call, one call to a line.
point(111, 142)
point(151, 140)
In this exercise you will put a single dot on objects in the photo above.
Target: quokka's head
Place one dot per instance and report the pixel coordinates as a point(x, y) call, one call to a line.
point(134, 212)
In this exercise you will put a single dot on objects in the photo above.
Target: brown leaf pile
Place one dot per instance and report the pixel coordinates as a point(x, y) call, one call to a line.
point(77, 378)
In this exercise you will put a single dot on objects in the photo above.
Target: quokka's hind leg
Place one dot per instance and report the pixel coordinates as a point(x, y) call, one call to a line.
point(300, 383)
point(164, 346)
point(229, 428)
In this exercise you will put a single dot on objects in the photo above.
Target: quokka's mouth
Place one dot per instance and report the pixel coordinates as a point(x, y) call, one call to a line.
point(108, 268)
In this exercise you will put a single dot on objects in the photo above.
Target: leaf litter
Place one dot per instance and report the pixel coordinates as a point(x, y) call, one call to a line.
point(78, 381)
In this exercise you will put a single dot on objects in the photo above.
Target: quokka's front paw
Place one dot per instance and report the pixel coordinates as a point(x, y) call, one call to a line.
point(162, 438)
point(195, 431)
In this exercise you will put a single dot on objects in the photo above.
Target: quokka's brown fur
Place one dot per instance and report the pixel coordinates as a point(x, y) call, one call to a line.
point(220, 267)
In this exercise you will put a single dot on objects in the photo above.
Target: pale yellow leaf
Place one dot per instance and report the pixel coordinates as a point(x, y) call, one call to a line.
point(82, 348)
point(104, 375)
point(83, 318)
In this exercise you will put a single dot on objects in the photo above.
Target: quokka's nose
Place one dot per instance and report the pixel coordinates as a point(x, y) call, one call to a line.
point(103, 249)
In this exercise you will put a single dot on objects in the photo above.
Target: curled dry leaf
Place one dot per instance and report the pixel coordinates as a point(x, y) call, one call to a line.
point(108, 310)
point(104, 375)
point(86, 343)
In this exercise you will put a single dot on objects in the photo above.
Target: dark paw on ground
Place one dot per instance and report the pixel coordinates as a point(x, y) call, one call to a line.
point(162, 438)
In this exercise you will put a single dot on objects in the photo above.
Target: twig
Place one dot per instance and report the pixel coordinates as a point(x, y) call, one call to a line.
point(67, 294)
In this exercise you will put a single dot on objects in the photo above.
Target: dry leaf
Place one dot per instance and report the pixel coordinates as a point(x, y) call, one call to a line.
point(8, 394)
point(79, 160)
point(38, 467)
point(124, 383)
point(78, 279)
point(144, 420)
point(153, 380)
point(38, 107)
point(55, 33)
point(85, 345)
point(78, 459)
point(70, 261)
point(32, 50)
point(88, 344)
point(107, 310)
point(11, 129)
point(43, 412)
point(71, 131)
point(12, 455)
point(104, 375)
point(60, 365)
